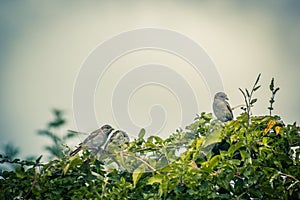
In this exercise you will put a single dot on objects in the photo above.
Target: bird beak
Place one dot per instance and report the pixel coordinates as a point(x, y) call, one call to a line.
point(227, 98)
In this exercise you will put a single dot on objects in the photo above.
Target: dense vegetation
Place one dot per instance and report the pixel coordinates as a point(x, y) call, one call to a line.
point(251, 157)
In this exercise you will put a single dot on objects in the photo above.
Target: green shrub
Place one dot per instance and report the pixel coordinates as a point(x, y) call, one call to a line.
point(251, 157)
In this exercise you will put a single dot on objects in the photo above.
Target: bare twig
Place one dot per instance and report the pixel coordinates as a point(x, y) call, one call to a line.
point(32, 186)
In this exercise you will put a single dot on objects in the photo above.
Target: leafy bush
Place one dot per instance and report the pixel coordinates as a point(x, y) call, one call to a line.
point(251, 157)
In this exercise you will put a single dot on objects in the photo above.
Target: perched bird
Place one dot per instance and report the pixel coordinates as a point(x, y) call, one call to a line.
point(221, 107)
point(117, 139)
point(95, 140)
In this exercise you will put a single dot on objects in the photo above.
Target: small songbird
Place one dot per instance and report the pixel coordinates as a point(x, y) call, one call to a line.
point(117, 139)
point(95, 140)
point(221, 107)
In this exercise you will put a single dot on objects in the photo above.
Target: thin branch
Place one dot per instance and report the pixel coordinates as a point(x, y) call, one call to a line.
point(238, 197)
point(32, 186)
point(235, 107)
point(140, 159)
point(23, 162)
point(289, 176)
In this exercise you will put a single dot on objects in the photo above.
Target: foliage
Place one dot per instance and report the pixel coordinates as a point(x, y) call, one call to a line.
point(248, 98)
point(259, 164)
point(272, 99)
point(56, 148)
point(207, 160)
point(10, 150)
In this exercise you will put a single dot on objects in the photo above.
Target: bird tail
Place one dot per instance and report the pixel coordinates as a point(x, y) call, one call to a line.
point(73, 153)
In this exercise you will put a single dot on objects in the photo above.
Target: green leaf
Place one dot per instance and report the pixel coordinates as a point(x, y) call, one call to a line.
point(97, 175)
point(66, 168)
point(244, 154)
point(137, 173)
point(212, 162)
point(253, 101)
point(272, 84)
point(74, 161)
point(199, 142)
point(265, 141)
point(235, 147)
point(256, 88)
point(142, 133)
point(38, 159)
point(276, 90)
point(257, 79)
point(234, 162)
point(265, 150)
point(155, 138)
point(213, 138)
point(20, 172)
point(159, 178)
point(207, 116)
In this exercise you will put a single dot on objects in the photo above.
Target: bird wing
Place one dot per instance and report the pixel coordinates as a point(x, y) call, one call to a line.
point(229, 114)
point(93, 135)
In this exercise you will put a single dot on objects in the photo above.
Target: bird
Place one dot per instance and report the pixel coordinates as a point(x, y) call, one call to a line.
point(221, 107)
point(117, 139)
point(95, 140)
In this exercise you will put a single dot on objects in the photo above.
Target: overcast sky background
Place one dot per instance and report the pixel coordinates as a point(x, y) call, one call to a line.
point(44, 43)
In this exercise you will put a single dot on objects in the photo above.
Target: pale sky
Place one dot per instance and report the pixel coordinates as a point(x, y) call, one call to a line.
point(43, 45)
